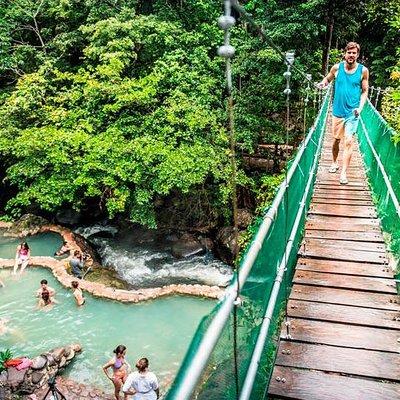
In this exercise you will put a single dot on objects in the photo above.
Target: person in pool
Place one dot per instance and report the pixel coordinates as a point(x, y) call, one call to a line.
point(77, 292)
point(120, 369)
point(22, 256)
point(64, 249)
point(46, 302)
point(44, 286)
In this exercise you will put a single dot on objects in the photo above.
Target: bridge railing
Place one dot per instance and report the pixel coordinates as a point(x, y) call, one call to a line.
point(212, 369)
point(382, 160)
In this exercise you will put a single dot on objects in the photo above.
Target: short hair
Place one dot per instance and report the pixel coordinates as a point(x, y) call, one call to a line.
point(352, 45)
point(74, 284)
point(43, 282)
point(142, 364)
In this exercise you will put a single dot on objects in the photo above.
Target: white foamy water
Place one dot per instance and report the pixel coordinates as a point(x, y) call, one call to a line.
point(149, 265)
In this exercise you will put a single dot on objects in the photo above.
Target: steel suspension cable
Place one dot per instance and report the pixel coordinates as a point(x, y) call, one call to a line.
point(260, 30)
point(227, 51)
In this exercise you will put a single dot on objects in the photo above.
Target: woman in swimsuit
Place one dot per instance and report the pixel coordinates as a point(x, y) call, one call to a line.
point(22, 257)
point(120, 369)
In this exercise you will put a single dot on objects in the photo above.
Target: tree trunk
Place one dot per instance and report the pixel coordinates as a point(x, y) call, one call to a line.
point(330, 19)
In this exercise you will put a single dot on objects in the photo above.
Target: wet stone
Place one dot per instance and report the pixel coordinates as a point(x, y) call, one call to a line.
point(39, 362)
point(37, 377)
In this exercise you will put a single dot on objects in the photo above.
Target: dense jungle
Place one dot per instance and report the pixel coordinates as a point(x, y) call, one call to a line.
point(117, 108)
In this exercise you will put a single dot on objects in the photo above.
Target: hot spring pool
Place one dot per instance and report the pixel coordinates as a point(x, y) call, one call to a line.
point(160, 330)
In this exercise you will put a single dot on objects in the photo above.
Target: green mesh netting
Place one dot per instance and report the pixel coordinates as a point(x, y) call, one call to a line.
point(218, 377)
point(381, 156)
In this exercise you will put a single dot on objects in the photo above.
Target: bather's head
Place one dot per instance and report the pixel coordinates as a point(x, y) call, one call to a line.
point(142, 364)
point(120, 350)
point(75, 284)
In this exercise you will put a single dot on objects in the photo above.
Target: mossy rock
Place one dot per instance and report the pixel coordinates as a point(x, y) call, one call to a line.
point(27, 225)
point(107, 277)
point(103, 275)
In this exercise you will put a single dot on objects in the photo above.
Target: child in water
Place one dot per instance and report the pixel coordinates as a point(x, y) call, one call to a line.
point(46, 302)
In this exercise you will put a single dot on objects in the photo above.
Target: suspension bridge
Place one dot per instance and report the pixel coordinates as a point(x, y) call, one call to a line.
point(313, 311)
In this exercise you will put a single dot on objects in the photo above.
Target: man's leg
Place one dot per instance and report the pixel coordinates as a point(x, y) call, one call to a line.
point(347, 152)
point(335, 150)
point(337, 133)
point(350, 128)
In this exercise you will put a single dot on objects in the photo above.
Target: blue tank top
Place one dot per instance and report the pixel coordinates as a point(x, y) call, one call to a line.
point(347, 91)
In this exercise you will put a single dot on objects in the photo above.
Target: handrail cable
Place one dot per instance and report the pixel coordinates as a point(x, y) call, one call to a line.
point(391, 192)
point(259, 347)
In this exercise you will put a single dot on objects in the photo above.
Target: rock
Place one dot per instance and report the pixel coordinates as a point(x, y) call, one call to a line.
point(63, 361)
point(28, 224)
point(3, 378)
point(50, 359)
point(15, 377)
point(226, 243)
point(244, 217)
point(37, 377)
point(68, 217)
point(187, 246)
point(58, 353)
point(39, 362)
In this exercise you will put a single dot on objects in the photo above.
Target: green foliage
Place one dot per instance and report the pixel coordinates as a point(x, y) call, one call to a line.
point(122, 105)
point(391, 105)
point(5, 355)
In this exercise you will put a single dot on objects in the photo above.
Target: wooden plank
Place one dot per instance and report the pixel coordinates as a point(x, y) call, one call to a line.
point(342, 188)
point(345, 235)
point(345, 296)
point(355, 184)
point(342, 244)
point(343, 210)
point(343, 267)
point(344, 314)
point(334, 334)
point(342, 223)
point(351, 202)
point(374, 364)
point(303, 384)
point(342, 195)
point(369, 284)
point(334, 253)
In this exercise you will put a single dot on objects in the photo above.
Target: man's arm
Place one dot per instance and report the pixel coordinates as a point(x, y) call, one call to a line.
point(364, 89)
point(330, 77)
point(127, 387)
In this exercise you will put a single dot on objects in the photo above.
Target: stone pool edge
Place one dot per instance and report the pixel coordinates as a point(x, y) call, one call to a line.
point(97, 289)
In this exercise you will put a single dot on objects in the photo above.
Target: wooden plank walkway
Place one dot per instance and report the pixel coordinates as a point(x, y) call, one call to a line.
point(343, 309)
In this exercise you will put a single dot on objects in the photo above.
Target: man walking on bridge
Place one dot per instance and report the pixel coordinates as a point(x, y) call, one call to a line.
point(350, 95)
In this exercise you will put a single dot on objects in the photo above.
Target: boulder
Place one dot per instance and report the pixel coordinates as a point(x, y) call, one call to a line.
point(39, 362)
point(27, 225)
point(187, 246)
point(15, 377)
point(244, 217)
point(68, 217)
point(37, 377)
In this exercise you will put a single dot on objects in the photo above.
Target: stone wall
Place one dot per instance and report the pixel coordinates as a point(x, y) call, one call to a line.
point(44, 366)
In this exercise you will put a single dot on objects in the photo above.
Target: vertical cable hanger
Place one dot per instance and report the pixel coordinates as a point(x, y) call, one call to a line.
point(227, 51)
point(289, 60)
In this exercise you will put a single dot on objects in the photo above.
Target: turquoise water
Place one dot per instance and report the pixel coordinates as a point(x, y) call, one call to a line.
point(160, 330)
point(44, 244)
